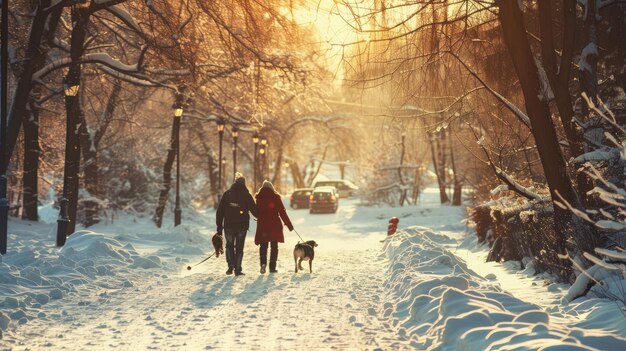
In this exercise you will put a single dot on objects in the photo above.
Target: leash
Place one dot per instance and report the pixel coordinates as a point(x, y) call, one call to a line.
point(189, 267)
point(298, 234)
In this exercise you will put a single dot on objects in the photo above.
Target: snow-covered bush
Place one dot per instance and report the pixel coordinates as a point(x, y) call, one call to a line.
point(605, 279)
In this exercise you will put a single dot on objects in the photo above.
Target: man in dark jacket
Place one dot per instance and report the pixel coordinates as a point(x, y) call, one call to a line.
point(233, 217)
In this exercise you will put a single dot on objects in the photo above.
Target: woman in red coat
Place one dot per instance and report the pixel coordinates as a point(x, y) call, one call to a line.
point(269, 229)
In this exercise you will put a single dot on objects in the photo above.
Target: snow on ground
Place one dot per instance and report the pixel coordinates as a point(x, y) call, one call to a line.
point(124, 286)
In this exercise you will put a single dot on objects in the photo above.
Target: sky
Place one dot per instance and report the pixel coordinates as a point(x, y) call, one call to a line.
point(331, 21)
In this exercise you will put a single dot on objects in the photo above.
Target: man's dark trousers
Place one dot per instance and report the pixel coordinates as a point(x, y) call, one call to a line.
point(235, 240)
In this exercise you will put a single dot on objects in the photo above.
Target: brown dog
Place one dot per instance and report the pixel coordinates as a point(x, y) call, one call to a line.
point(304, 251)
point(218, 244)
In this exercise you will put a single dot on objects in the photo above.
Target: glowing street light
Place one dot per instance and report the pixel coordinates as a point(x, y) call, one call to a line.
point(255, 141)
point(235, 137)
point(178, 113)
point(221, 123)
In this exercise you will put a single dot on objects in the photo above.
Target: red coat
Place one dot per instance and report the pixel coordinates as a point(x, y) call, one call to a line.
point(271, 210)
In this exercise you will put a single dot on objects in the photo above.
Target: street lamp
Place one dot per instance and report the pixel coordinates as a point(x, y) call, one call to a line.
point(255, 141)
point(267, 160)
point(4, 57)
point(262, 152)
point(264, 160)
point(220, 130)
point(178, 113)
point(71, 86)
point(223, 165)
point(235, 136)
point(70, 89)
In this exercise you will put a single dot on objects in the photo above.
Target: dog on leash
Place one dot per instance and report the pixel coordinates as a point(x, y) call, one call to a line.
point(304, 251)
point(218, 244)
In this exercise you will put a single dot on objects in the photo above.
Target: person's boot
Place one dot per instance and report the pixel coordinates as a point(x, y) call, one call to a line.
point(239, 273)
point(262, 269)
point(229, 271)
point(273, 267)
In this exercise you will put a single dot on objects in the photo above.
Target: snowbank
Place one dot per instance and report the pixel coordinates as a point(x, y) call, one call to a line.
point(442, 305)
point(35, 273)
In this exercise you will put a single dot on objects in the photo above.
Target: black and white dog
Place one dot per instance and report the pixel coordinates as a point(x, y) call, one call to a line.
point(304, 251)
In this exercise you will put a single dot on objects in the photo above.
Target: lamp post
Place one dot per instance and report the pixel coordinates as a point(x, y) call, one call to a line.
point(220, 130)
point(263, 153)
point(71, 85)
point(4, 57)
point(235, 136)
point(255, 141)
point(178, 114)
point(267, 160)
point(223, 165)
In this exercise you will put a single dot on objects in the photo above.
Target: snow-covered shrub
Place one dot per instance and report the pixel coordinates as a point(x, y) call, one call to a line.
point(515, 231)
point(481, 217)
point(605, 279)
point(128, 184)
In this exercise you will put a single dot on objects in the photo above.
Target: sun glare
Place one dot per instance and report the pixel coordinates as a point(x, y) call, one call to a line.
point(331, 23)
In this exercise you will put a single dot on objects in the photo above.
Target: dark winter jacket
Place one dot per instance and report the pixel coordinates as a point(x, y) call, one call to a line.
point(234, 207)
point(271, 211)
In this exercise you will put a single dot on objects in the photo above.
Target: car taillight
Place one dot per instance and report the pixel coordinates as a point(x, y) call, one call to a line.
point(291, 198)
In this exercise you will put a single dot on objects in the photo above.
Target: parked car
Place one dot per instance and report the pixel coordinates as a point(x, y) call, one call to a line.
point(300, 198)
point(345, 187)
point(324, 199)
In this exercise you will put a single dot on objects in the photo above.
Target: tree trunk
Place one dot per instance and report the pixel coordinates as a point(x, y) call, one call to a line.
point(588, 74)
point(276, 179)
point(416, 185)
point(33, 58)
point(554, 167)
point(319, 167)
point(400, 178)
point(559, 75)
point(167, 175)
point(298, 179)
point(80, 19)
point(457, 190)
point(213, 174)
point(90, 173)
point(31, 165)
point(443, 195)
point(89, 146)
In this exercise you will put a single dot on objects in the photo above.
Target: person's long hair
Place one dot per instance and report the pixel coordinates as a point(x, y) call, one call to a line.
point(267, 184)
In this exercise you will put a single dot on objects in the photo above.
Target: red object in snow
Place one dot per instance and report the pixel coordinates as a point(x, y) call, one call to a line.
point(393, 225)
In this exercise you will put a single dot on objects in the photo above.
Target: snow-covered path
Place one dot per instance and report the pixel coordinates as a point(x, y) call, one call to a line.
point(279, 311)
point(336, 306)
point(125, 287)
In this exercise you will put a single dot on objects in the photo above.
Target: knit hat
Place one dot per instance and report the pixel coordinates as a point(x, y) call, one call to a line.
point(239, 178)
